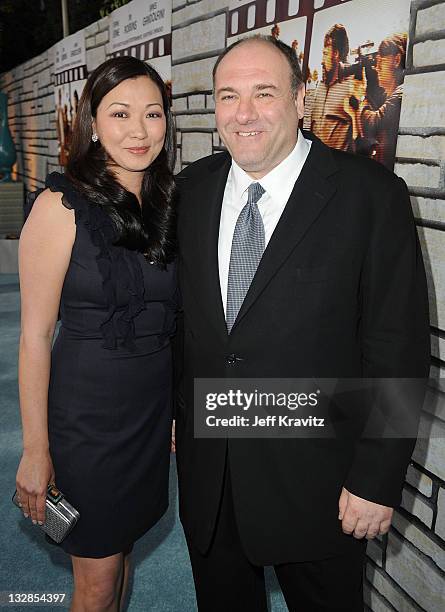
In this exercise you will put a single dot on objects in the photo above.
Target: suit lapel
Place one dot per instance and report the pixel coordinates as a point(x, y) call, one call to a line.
point(207, 197)
point(310, 195)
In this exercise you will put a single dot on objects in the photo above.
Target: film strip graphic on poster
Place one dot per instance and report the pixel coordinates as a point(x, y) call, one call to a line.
point(142, 29)
point(155, 48)
point(248, 15)
point(73, 74)
point(352, 56)
point(70, 77)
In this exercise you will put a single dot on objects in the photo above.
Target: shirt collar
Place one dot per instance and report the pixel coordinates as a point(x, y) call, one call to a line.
point(274, 181)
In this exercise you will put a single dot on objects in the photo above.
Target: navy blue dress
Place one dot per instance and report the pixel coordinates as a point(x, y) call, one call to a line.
point(109, 404)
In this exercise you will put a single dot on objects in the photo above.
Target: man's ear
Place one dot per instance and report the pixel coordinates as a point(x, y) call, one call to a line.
point(299, 100)
point(398, 60)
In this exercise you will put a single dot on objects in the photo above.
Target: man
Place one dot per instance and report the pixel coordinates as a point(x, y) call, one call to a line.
point(329, 121)
point(380, 118)
point(337, 289)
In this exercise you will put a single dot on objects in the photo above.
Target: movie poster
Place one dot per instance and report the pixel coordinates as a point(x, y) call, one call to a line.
point(352, 55)
point(260, 18)
point(142, 28)
point(70, 77)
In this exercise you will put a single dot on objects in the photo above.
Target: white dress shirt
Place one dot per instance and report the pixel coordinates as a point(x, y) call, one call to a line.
point(278, 185)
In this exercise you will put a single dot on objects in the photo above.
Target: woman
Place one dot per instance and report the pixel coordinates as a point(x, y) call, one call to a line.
point(97, 247)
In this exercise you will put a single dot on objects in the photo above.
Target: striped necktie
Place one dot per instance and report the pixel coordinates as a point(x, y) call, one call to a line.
point(248, 245)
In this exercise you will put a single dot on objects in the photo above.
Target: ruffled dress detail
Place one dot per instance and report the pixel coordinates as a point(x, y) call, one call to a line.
point(116, 265)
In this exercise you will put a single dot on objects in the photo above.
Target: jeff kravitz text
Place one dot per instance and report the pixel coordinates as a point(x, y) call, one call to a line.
point(241, 400)
point(270, 421)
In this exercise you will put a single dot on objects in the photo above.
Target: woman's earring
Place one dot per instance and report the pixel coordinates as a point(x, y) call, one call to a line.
point(94, 137)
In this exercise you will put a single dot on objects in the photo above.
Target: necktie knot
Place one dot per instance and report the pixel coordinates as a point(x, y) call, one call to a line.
point(254, 193)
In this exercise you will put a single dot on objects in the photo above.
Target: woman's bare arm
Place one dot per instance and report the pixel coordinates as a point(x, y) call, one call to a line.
point(44, 254)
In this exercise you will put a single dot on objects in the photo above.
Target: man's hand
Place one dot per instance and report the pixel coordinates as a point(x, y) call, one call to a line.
point(361, 517)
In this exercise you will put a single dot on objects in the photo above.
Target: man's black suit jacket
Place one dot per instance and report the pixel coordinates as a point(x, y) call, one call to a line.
point(340, 292)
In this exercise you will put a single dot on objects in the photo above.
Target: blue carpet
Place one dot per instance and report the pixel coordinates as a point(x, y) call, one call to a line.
point(162, 580)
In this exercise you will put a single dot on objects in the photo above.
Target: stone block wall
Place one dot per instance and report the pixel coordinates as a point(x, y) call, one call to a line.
point(97, 36)
point(31, 108)
point(198, 36)
point(405, 570)
point(32, 120)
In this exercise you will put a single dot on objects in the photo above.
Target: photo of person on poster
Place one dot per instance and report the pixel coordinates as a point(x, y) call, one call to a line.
point(374, 113)
point(329, 119)
point(356, 104)
point(65, 118)
point(62, 129)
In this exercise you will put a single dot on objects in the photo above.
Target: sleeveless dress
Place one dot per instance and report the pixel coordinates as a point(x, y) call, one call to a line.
point(110, 391)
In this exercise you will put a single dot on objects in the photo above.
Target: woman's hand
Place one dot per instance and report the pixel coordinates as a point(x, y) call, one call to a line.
point(34, 474)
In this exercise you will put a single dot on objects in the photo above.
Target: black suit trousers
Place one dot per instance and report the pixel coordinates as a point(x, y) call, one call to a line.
point(225, 579)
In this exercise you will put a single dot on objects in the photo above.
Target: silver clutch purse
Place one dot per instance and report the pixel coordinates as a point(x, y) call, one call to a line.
point(60, 515)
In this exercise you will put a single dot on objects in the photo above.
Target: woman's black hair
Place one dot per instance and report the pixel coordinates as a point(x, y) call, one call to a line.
point(148, 228)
